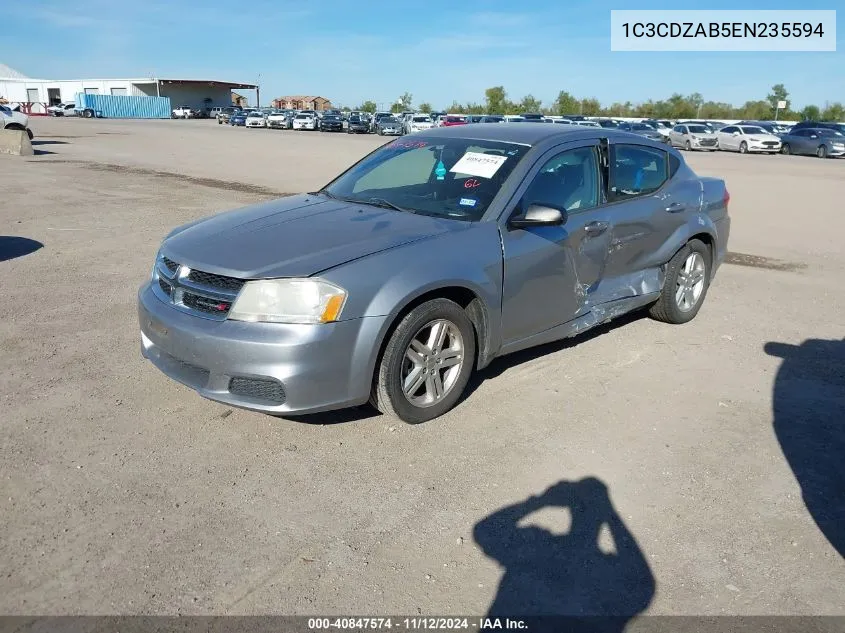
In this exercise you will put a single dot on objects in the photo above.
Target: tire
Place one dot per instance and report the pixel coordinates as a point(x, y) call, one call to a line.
point(380, 132)
point(743, 148)
point(88, 114)
point(821, 152)
point(688, 146)
point(29, 134)
point(668, 307)
point(219, 122)
point(421, 405)
point(784, 149)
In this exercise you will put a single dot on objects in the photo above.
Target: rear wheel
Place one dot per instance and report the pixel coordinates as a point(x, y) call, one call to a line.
point(426, 363)
point(685, 286)
point(743, 148)
point(821, 152)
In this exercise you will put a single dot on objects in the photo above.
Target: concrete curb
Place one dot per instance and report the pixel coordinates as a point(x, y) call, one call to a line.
point(16, 143)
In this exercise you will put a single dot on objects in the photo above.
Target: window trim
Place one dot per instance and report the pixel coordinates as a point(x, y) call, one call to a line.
point(612, 159)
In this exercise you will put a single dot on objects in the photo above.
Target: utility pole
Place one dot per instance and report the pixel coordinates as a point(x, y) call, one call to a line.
point(258, 92)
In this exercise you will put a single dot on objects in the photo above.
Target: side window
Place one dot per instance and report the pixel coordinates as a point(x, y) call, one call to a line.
point(729, 130)
point(801, 133)
point(636, 170)
point(679, 129)
point(568, 181)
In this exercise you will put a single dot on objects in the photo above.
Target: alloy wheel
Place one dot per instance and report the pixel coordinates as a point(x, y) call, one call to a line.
point(432, 363)
point(690, 284)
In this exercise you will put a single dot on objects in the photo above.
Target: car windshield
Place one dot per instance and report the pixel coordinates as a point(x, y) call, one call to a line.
point(446, 177)
point(389, 119)
point(697, 129)
point(752, 129)
point(331, 117)
point(642, 126)
point(303, 116)
point(256, 114)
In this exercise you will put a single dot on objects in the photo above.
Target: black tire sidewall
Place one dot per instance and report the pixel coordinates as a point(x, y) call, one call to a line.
point(785, 149)
point(675, 264)
point(743, 148)
point(401, 338)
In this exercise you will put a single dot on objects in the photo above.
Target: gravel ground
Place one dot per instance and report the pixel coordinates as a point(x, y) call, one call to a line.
point(124, 492)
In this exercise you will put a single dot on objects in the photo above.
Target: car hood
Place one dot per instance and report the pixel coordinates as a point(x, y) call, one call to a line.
point(297, 236)
point(762, 138)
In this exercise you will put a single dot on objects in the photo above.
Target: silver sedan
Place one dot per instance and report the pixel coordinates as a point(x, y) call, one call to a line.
point(426, 260)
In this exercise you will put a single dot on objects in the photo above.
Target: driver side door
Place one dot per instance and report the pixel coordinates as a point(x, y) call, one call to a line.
point(551, 271)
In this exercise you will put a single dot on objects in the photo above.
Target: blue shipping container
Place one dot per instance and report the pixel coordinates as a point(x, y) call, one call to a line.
point(125, 107)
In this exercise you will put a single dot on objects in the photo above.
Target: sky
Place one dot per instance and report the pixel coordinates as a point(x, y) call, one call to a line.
point(437, 50)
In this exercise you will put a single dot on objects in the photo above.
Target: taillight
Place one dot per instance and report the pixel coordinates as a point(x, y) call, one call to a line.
point(727, 197)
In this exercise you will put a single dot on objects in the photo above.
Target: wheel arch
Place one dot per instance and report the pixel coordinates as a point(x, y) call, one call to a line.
point(469, 299)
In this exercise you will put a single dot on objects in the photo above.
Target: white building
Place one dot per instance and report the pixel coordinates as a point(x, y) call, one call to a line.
point(35, 95)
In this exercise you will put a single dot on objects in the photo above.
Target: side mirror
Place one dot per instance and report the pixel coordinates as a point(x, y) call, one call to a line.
point(539, 215)
point(736, 133)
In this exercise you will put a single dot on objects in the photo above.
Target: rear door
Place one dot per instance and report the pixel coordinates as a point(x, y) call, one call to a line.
point(551, 271)
point(727, 140)
point(646, 206)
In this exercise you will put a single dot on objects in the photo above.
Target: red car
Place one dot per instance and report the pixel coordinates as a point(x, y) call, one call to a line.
point(454, 120)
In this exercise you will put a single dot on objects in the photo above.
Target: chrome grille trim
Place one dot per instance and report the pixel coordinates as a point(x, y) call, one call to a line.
point(181, 287)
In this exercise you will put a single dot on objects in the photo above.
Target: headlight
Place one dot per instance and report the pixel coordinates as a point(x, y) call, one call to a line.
point(288, 301)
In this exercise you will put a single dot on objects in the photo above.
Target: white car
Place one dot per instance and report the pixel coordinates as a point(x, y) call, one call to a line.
point(747, 138)
point(256, 119)
point(182, 112)
point(14, 120)
point(692, 136)
point(304, 121)
point(279, 120)
point(63, 109)
point(418, 123)
point(585, 123)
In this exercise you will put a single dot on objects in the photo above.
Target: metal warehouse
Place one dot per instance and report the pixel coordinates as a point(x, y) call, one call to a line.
point(35, 95)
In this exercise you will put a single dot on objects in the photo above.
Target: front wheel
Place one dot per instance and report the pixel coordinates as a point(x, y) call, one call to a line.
point(688, 146)
point(685, 285)
point(821, 152)
point(784, 149)
point(743, 148)
point(426, 364)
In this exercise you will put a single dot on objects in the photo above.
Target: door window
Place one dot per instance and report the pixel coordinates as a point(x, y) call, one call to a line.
point(636, 170)
point(568, 181)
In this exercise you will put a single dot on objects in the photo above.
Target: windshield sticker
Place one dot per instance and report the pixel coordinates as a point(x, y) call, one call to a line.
point(467, 202)
point(440, 171)
point(481, 165)
point(472, 183)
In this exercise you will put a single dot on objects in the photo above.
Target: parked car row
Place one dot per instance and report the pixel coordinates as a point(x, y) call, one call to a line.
point(822, 139)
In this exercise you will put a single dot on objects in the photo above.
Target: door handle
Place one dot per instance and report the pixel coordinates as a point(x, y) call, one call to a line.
point(676, 207)
point(596, 228)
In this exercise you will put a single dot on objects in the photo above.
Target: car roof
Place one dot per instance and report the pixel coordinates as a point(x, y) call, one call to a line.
point(525, 134)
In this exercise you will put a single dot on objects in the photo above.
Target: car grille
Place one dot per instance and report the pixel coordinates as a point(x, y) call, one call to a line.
point(708, 141)
point(195, 291)
point(265, 389)
point(770, 143)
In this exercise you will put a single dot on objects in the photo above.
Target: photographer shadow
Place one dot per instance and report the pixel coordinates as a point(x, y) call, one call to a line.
point(547, 574)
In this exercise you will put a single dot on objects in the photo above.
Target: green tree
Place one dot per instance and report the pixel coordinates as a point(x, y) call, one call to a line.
point(811, 113)
point(396, 107)
point(367, 106)
point(495, 100)
point(530, 104)
point(778, 93)
point(833, 112)
point(566, 103)
point(425, 107)
point(696, 101)
point(406, 100)
point(755, 111)
point(590, 107)
point(457, 108)
point(475, 108)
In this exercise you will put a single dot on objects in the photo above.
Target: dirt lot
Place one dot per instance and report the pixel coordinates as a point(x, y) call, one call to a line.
point(124, 492)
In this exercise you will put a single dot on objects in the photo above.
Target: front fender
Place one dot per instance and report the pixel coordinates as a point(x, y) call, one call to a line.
point(385, 283)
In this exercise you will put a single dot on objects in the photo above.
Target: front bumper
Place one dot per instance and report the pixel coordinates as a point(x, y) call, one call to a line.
point(261, 124)
point(359, 129)
point(318, 367)
point(277, 124)
point(759, 147)
point(332, 128)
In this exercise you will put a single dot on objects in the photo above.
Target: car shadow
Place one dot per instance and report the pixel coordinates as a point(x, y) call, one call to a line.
point(808, 403)
point(48, 142)
point(41, 152)
point(595, 574)
point(500, 365)
point(12, 247)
